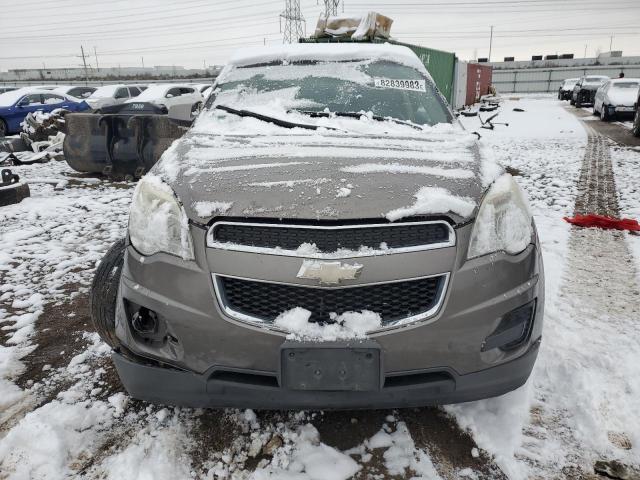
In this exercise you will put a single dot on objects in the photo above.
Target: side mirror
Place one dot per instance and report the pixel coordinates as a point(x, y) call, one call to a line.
point(169, 95)
point(181, 114)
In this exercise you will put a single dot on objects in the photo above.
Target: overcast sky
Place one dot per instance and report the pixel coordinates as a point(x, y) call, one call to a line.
point(192, 33)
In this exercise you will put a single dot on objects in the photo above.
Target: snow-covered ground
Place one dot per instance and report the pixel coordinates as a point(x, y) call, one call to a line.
point(72, 418)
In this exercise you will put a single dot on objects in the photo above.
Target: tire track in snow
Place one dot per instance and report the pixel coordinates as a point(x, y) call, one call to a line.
point(584, 408)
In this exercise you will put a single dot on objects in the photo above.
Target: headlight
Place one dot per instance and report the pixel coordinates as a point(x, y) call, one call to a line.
point(503, 222)
point(157, 222)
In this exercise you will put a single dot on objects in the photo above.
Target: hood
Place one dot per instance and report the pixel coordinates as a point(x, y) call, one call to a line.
point(327, 177)
point(622, 97)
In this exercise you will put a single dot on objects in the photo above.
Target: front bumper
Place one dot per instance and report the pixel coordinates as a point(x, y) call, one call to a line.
point(214, 360)
point(178, 387)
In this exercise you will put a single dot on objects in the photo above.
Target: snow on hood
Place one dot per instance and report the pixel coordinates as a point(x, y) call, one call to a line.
point(294, 173)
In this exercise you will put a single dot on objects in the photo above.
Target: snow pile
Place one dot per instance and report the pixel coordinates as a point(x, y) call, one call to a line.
point(310, 459)
point(401, 454)
point(346, 325)
point(432, 200)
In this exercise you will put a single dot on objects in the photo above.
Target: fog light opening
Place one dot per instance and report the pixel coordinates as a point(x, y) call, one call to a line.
point(513, 330)
point(145, 321)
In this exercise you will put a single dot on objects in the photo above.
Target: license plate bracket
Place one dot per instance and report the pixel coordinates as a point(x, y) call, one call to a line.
point(321, 367)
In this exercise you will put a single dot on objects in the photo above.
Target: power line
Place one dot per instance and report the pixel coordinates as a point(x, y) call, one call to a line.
point(156, 28)
point(149, 18)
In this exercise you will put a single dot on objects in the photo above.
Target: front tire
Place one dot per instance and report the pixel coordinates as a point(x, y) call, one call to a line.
point(4, 130)
point(636, 123)
point(604, 113)
point(104, 292)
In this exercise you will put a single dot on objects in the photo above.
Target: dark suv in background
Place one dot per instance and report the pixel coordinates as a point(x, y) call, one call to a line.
point(584, 91)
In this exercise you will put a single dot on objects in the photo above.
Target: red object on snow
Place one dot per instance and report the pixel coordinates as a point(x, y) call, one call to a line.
point(606, 223)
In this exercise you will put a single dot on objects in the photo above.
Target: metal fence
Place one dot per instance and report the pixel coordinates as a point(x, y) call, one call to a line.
point(534, 80)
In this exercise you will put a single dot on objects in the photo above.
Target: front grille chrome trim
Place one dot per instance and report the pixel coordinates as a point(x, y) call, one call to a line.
point(212, 243)
point(234, 314)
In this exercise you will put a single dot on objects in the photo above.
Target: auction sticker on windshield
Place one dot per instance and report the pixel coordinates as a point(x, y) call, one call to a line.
point(414, 85)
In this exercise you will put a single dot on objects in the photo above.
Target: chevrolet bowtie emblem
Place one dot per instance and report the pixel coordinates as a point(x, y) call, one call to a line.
point(329, 273)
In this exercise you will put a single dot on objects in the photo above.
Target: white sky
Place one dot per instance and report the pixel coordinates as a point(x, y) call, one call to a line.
point(194, 32)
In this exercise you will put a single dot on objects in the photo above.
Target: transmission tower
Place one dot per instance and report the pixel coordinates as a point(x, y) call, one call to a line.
point(331, 8)
point(293, 21)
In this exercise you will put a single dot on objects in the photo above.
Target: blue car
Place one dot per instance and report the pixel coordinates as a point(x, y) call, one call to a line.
point(15, 105)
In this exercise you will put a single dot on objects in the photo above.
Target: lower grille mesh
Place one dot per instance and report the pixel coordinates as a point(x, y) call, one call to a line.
point(393, 301)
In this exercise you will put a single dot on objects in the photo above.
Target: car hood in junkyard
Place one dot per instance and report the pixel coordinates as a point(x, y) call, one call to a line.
point(313, 176)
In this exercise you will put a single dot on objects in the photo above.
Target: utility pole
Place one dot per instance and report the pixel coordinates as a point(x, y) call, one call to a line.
point(142, 58)
point(293, 21)
point(95, 54)
point(490, 43)
point(585, 51)
point(84, 62)
point(611, 43)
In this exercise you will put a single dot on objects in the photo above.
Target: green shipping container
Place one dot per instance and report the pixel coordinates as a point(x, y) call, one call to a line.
point(440, 65)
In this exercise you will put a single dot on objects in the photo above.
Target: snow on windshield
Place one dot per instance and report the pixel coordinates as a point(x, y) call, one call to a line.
point(153, 92)
point(105, 92)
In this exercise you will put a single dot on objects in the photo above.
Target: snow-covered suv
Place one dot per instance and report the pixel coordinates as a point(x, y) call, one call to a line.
point(326, 235)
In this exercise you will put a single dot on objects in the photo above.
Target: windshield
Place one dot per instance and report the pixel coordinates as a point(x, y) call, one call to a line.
point(384, 88)
point(626, 84)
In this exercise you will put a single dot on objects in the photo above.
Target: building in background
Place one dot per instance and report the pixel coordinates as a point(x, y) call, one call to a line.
point(546, 73)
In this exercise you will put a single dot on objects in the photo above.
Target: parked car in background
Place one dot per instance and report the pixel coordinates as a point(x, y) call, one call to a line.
point(7, 89)
point(76, 91)
point(616, 98)
point(243, 283)
point(112, 95)
point(16, 104)
point(566, 89)
point(636, 120)
point(170, 94)
point(201, 86)
point(585, 89)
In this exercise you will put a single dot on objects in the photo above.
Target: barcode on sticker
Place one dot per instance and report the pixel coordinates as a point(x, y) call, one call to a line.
point(415, 85)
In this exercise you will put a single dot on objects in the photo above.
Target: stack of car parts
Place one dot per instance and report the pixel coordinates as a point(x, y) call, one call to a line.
point(123, 141)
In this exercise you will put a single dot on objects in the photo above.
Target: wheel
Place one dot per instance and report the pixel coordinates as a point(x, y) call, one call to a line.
point(195, 109)
point(593, 110)
point(571, 102)
point(104, 290)
point(4, 130)
point(604, 113)
point(578, 102)
point(636, 123)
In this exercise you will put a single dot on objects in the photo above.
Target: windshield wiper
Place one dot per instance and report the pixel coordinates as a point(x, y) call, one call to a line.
point(378, 118)
point(265, 118)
